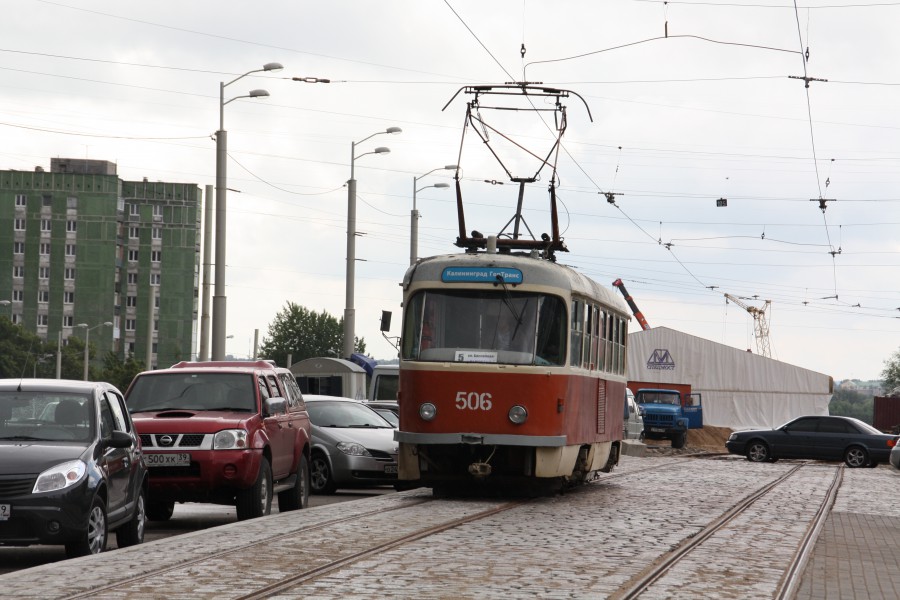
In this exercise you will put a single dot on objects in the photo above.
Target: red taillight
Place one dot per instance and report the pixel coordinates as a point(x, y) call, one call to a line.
point(893, 442)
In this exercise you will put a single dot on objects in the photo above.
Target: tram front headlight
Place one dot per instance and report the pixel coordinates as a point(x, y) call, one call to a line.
point(518, 414)
point(427, 411)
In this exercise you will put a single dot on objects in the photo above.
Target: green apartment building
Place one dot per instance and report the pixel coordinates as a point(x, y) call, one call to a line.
point(81, 249)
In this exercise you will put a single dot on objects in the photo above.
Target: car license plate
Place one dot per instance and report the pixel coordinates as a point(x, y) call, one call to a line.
point(180, 459)
point(5, 512)
point(390, 469)
point(657, 430)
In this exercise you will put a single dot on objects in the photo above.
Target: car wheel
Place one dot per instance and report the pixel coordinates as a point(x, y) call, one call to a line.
point(758, 451)
point(297, 496)
point(679, 440)
point(93, 539)
point(256, 501)
point(872, 464)
point(320, 475)
point(132, 532)
point(856, 456)
point(160, 510)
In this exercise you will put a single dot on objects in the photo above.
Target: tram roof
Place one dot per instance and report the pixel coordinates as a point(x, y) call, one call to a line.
point(535, 271)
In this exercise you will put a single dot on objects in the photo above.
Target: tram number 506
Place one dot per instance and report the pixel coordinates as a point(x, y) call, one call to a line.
point(473, 401)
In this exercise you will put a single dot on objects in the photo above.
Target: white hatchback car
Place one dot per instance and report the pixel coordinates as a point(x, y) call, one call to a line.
point(634, 420)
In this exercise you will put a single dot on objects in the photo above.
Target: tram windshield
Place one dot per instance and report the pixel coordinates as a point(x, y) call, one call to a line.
point(496, 326)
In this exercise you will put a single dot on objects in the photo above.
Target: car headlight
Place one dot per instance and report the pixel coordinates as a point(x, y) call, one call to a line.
point(60, 477)
point(230, 439)
point(427, 411)
point(353, 449)
point(518, 414)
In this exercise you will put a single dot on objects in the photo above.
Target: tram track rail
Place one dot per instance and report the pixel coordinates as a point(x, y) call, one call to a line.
point(790, 581)
point(237, 550)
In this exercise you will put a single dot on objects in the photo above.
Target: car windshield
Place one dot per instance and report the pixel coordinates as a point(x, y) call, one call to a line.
point(344, 414)
point(389, 416)
point(46, 416)
point(192, 391)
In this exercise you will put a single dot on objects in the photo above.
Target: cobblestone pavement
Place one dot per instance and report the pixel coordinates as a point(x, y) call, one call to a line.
point(585, 544)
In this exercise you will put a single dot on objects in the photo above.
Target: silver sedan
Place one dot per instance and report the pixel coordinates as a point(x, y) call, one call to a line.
point(353, 446)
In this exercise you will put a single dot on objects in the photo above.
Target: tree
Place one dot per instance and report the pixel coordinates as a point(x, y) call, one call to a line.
point(120, 373)
point(850, 403)
point(304, 333)
point(891, 373)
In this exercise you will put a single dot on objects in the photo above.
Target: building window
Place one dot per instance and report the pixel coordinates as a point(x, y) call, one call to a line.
point(155, 255)
point(132, 256)
point(131, 301)
point(134, 232)
point(16, 318)
point(157, 233)
point(19, 225)
point(43, 272)
point(68, 321)
point(47, 200)
point(71, 202)
point(154, 278)
point(18, 247)
point(46, 225)
point(132, 278)
point(45, 249)
point(71, 226)
point(70, 274)
point(129, 324)
point(156, 302)
point(70, 249)
point(42, 320)
point(157, 210)
point(18, 295)
point(21, 200)
point(130, 348)
point(68, 297)
point(133, 210)
point(155, 324)
point(44, 296)
point(18, 272)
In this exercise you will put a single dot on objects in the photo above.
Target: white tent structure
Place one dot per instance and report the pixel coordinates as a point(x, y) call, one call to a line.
point(740, 390)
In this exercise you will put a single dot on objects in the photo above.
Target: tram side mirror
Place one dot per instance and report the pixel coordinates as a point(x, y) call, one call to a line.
point(385, 320)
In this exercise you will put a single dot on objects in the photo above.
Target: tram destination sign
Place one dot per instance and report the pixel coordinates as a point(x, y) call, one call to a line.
point(481, 275)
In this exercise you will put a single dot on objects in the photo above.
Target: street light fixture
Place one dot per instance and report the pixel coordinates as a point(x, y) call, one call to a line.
point(349, 311)
point(414, 214)
point(218, 316)
point(9, 304)
point(87, 341)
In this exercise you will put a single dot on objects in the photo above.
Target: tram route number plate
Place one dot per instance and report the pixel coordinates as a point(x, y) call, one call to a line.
point(390, 468)
point(6, 511)
point(180, 459)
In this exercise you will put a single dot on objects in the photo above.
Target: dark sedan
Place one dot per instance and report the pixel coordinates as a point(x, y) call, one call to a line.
point(817, 438)
point(71, 468)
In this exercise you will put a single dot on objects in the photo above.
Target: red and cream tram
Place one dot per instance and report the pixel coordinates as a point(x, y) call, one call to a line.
point(512, 370)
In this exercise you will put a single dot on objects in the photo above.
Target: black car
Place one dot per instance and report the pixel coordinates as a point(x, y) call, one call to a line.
point(818, 438)
point(71, 468)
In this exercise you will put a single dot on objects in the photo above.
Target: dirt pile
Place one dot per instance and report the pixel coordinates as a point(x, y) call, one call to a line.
point(708, 439)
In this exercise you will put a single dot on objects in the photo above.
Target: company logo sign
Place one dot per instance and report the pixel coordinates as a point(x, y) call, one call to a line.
point(481, 275)
point(661, 360)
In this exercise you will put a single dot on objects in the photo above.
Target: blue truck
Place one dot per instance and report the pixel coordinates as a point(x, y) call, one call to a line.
point(668, 414)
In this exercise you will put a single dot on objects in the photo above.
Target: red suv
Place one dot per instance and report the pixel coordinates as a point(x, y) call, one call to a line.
point(222, 432)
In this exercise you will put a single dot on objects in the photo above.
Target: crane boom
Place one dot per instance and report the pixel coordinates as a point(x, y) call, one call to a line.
point(760, 324)
point(637, 313)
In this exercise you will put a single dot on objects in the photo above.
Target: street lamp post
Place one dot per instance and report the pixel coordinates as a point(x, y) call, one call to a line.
point(87, 341)
point(218, 316)
point(349, 311)
point(414, 214)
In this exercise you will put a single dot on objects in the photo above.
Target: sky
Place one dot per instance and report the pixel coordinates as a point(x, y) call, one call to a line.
point(766, 104)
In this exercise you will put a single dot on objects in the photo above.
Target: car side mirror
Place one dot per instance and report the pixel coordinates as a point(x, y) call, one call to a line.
point(276, 406)
point(118, 439)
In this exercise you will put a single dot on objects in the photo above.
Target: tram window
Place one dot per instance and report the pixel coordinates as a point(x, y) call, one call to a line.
point(577, 324)
point(483, 326)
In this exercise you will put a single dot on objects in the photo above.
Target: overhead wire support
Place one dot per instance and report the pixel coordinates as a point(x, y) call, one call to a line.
point(807, 79)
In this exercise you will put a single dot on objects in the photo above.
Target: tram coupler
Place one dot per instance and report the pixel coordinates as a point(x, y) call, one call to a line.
point(479, 469)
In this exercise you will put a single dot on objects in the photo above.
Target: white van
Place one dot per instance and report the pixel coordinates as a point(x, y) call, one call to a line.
point(634, 422)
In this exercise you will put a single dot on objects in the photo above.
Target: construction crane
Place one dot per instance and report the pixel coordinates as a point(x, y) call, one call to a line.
point(760, 324)
point(637, 313)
